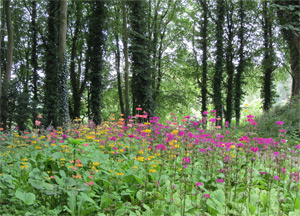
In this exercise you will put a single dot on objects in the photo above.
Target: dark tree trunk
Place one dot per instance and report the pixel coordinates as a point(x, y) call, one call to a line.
point(96, 43)
point(118, 60)
point(287, 20)
point(141, 70)
point(268, 60)
point(125, 51)
point(204, 42)
point(218, 76)
point(50, 98)
point(229, 61)
point(74, 81)
point(241, 65)
point(35, 76)
point(7, 75)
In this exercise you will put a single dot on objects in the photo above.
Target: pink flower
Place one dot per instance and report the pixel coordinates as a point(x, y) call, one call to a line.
point(160, 147)
point(90, 183)
point(220, 180)
point(279, 122)
point(199, 183)
point(262, 173)
point(297, 146)
point(254, 149)
point(205, 112)
point(206, 195)
point(276, 177)
point(186, 160)
point(37, 123)
point(52, 177)
point(276, 153)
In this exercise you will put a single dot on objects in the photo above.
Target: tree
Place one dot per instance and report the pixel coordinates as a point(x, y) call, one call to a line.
point(217, 81)
point(34, 62)
point(268, 59)
point(7, 75)
point(141, 63)
point(288, 14)
point(50, 82)
point(204, 43)
point(96, 44)
point(125, 52)
point(62, 69)
point(238, 78)
point(229, 59)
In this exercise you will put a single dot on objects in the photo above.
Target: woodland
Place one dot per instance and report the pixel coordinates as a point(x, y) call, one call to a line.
point(149, 107)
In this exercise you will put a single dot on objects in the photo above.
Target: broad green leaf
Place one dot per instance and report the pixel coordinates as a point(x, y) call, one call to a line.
point(120, 212)
point(104, 201)
point(252, 208)
point(139, 195)
point(27, 198)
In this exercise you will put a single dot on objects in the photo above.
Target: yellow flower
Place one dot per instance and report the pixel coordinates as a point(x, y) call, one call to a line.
point(120, 174)
point(233, 146)
point(140, 159)
point(135, 167)
point(152, 170)
point(96, 163)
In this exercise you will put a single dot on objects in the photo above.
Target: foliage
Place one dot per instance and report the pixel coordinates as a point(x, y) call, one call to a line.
point(157, 168)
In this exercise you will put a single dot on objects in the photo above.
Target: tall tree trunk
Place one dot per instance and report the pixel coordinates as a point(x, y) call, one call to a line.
point(7, 75)
point(118, 59)
point(217, 80)
point(74, 82)
point(229, 61)
point(288, 21)
point(204, 39)
point(125, 52)
point(241, 65)
point(34, 62)
point(50, 111)
point(96, 43)
point(268, 60)
point(1, 57)
point(63, 74)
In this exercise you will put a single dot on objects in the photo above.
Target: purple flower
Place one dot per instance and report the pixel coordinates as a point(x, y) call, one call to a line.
point(186, 160)
point(160, 147)
point(199, 183)
point(220, 180)
point(206, 195)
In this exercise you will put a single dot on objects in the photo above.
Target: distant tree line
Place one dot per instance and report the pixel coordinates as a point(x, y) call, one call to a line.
point(73, 59)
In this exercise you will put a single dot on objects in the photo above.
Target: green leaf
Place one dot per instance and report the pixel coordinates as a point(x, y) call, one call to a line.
point(252, 208)
point(27, 198)
point(104, 201)
point(120, 212)
point(139, 195)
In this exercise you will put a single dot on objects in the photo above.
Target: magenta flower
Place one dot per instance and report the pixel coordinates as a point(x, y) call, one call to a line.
point(276, 153)
point(262, 173)
point(220, 180)
point(206, 195)
point(276, 177)
point(160, 147)
point(186, 160)
point(205, 112)
point(199, 183)
point(279, 122)
point(254, 149)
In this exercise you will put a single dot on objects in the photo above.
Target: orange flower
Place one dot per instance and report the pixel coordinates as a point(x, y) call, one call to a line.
point(1, 129)
point(39, 116)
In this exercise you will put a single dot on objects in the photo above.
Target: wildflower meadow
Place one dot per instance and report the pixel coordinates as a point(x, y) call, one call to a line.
point(143, 166)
